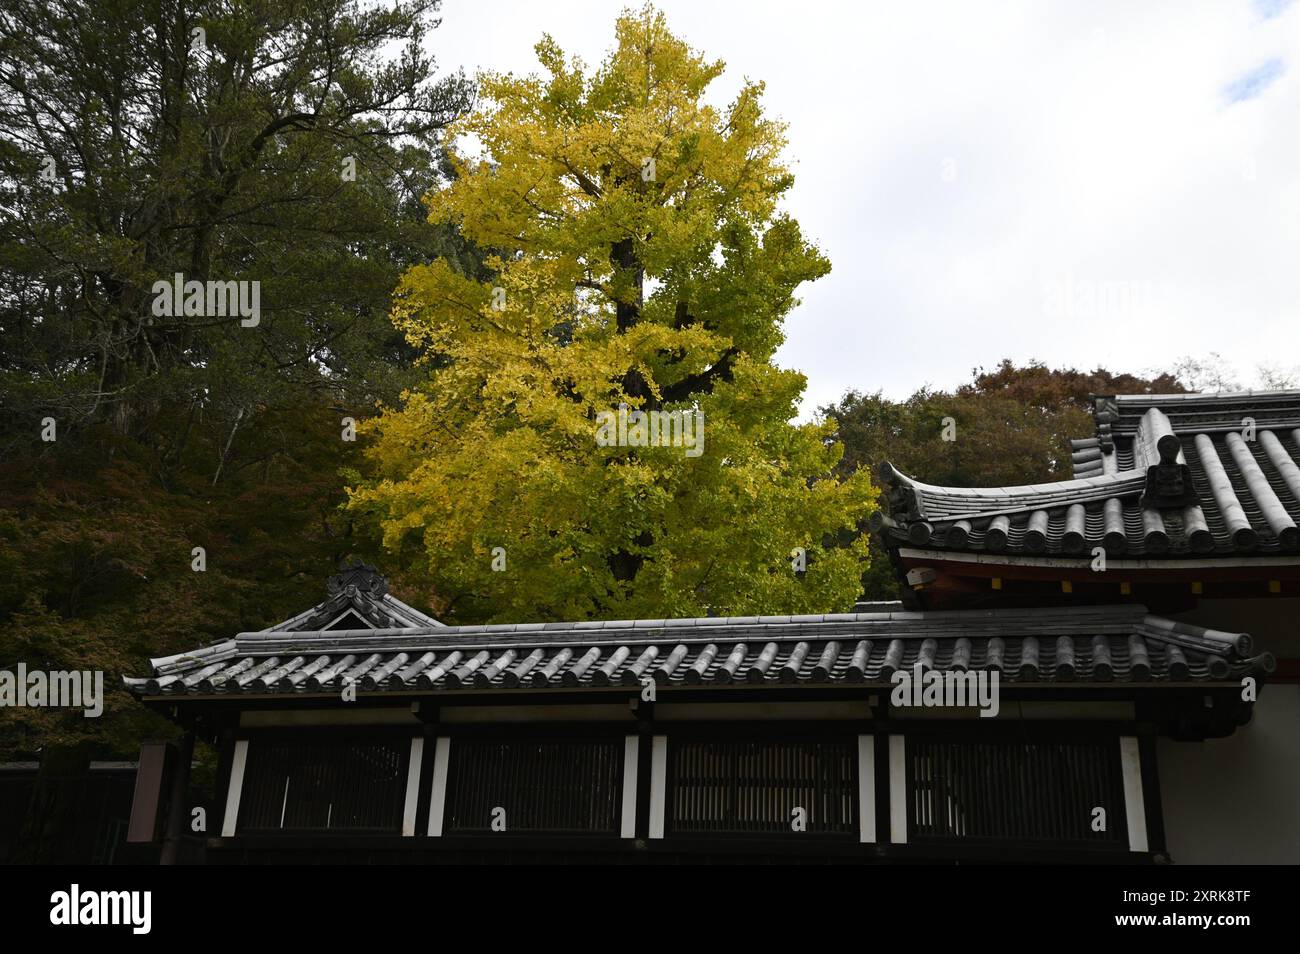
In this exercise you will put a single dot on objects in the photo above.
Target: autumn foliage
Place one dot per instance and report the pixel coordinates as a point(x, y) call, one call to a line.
point(641, 258)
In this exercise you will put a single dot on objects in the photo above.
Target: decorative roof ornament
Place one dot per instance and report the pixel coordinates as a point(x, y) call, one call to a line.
point(357, 578)
point(904, 506)
point(1105, 413)
point(1169, 479)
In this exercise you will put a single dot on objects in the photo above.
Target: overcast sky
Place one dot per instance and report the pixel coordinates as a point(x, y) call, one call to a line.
point(1085, 183)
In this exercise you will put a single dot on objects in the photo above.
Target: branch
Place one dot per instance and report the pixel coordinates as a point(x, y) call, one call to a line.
point(704, 380)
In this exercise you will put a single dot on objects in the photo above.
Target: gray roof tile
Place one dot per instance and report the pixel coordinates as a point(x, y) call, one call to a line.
point(1216, 493)
point(1067, 645)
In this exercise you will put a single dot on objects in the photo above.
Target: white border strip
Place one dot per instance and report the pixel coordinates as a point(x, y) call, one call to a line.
point(412, 787)
point(658, 784)
point(897, 790)
point(631, 749)
point(438, 795)
point(866, 788)
point(236, 786)
point(1130, 758)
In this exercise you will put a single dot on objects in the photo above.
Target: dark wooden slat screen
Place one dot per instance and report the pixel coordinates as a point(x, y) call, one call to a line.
point(346, 785)
point(544, 785)
point(743, 787)
point(1014, 791)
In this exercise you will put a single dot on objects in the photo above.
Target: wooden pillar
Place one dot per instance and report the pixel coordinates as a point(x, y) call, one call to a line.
point(178, 807)
point(438, 785)
point(225, 765)
point(157, 762)
point(1134, 803)
point(897, 790)
point(645, 727)
point(413, 767)
point(429, 717)
point(658, 784)
point(234, 789)
point(866, 789)
point(631, 753)
point(1151, 788)
point(881, 740)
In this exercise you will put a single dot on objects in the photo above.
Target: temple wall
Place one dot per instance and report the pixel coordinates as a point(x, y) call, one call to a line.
point(1237, 800)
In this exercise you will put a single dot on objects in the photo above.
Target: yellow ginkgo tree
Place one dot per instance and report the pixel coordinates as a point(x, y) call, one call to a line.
point(641, 263)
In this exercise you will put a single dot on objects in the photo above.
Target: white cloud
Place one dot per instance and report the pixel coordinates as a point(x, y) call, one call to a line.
point(962, 164)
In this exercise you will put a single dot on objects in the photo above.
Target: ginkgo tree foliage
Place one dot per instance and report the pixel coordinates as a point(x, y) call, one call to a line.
point(640, 257)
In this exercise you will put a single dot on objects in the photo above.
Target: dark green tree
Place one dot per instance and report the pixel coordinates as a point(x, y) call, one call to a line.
point(139, 139)
point(144, 138)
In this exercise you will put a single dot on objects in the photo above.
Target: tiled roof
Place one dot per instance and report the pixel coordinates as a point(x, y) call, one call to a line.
point(1165, 476)
point(357, 591)
point(1055, 645)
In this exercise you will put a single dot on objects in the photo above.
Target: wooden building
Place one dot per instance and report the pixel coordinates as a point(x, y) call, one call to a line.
point(1120, 623)
point(1187, 504)
point(362, 730)
point(1176, 498)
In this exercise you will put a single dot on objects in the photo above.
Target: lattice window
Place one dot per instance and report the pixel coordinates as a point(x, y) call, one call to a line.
point(344, 785)
point(734, 786)
point(535, 785)
point(1014, 791)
